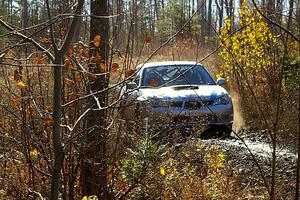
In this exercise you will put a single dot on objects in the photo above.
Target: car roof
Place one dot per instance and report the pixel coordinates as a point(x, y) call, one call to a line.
point(162, 63)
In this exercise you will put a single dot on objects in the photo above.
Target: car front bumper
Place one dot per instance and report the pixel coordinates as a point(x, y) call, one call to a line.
point(206, 115)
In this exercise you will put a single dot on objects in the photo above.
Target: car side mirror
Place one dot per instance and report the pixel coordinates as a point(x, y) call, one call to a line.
point(131, 85)
point(221, 81)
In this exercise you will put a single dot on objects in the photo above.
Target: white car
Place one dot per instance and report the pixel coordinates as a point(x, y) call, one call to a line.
point(177, 94)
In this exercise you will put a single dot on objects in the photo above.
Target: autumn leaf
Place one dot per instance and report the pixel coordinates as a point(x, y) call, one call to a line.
point(73, 95)
point(101, 67)
point(48, 120)
point(39, 61)
point(148, 39)
point(78, 78)
point(114, 67)
point(21, 85)
point(71, 50)
point(129, 72)
point(33, 153)
point(16, 75)
point(73, 105)
point(15, 102)
point(68, 82)
point(44, 40)
point(153, 83)
point(162, 171)
point(97, 40)
point(67, 61)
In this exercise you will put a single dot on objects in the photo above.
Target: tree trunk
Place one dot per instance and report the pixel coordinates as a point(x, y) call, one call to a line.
point(119, 27)
point(230, 12)
point(202, 14)
point(25, 14)
point(220, 9)
point(270, 8)
point(94, 164)
point(209, 18)
point(135, 26)
point(59, 154)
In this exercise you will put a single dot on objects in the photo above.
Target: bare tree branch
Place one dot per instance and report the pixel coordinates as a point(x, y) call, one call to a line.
point(25, 39)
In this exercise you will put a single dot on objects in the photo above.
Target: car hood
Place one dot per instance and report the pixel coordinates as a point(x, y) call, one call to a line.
point(181, 93)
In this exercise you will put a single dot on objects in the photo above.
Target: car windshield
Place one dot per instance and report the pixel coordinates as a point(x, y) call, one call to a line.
point(171, 75)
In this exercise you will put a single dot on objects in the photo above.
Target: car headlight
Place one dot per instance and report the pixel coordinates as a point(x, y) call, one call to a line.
point(224, 99)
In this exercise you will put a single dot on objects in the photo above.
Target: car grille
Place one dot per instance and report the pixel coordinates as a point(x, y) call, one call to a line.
point(176, 104)
point(194, 105)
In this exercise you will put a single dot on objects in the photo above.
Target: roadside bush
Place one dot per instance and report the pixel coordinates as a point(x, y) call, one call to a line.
point(253, 61)
point(186, 171)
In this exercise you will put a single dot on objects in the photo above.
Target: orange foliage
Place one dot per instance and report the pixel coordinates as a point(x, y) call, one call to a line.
point(153, 83)
point(101, 67)
point(38, 61)
point(67, 61)
point(114, 67)
point(44, 40)
point(48, 120)
point(71, 50)
point(97, 40)
point(129, 72)
point(15, 102)
point(78, 78)
point(148, 39)
point(73, 95)
point(68, 82)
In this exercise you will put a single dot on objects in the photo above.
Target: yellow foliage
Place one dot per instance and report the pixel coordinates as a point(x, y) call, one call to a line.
point(21, 85)
point(162, 171)
point(247, 51)
point(97, 40)
point(33, 153)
